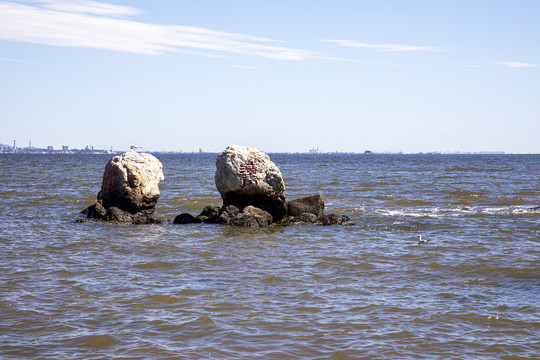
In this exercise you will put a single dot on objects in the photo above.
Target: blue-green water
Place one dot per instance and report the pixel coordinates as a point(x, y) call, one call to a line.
point(99, 290)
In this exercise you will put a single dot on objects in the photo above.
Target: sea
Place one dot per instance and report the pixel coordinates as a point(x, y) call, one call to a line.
point(102, 290)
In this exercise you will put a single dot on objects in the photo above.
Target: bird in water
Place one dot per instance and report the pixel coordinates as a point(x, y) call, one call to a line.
point(135, 147)
point(422, 240)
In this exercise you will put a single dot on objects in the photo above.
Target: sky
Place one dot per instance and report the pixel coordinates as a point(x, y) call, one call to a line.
point(279, 75)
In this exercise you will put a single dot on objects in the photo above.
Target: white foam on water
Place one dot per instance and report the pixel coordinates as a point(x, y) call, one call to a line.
point(456, 212)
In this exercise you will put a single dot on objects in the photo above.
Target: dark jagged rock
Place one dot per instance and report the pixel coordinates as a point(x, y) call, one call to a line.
point(252, 217)
point(187, 219)
point(311, 205)
point(141, 219)
point(227, 213)
point(249, 216)
point(117, 214)
point(275, 206)
point(210, 210)
point(305, 218)
point(96, 211)
point(333, 219)
point(302, 219)
point(210, 214)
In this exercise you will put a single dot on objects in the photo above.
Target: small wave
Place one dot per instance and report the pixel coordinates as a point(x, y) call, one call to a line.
point(468, 169)
point(384, 197)
point(95, 341)
point(47, 199)
point(485, 271)
point(84, 201)
point(398, 225)
point(459, 168)
point(331, 258)
point(309, 309)
point(188, 292)
point(411, 202)
point(203, 319)
point(9, 192)
point(535, 209)
point(473, 281)
point(167, 299)
point(402, 334)
point(509, 200)
point(156, 264)
point(271, 279)
point(191, 204)
point(509, 210)
point(423, 212)
point(465, 195)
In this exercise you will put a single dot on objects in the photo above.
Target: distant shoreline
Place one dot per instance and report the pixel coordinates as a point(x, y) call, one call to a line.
point(108, 152)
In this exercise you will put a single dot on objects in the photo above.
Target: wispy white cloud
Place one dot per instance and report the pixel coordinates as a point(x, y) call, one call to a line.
point(384, 47)
point(98, 25)
point(90, 7)
point(13, 60)
point(515, 64)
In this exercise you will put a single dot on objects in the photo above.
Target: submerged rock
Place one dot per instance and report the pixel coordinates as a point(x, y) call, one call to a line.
point(96, 211)
point(245, 176)
point(187, 219)
point(333, 219)
point(252, 217)
point(116, 214)
point(227, 213)
point(209, 214)
point(302, 219)
point(141, 219)
point(305, 218)
point(210, 210)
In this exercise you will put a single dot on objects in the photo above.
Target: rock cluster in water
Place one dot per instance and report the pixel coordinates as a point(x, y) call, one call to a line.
point(250, 185)
point(129, 190)
point(253, 194)
point(309, 210)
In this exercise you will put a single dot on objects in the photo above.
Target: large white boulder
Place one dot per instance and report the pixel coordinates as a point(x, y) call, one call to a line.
point(245, 176)
point(131, 182)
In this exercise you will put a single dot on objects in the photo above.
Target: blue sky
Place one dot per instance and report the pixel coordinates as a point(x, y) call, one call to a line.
point(411, 76)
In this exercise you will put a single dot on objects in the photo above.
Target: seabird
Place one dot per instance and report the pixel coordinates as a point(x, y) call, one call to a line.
point(135, 147)
point(422, 241)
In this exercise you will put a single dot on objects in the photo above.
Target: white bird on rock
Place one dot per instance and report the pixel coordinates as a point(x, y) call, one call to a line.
point(135, 147)
point(421, 240)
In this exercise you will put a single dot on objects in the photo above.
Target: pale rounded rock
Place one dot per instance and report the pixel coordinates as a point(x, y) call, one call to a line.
point(131, 182)
point(245, 176)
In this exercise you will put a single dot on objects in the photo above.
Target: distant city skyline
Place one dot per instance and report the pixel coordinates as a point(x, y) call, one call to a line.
point(48, 149)
point(90, 148)
point(281, 76)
